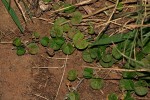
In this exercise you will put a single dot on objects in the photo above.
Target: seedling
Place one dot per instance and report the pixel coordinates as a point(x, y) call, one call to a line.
point(88, 73)
point(68, 48)
point(45, 41)
point(73, 96)
point(79, 41)
point(127, 84)
point(17, 42)
point(112, 96)
point(20, 51)
point(72, 75)
point(69, 8)
point(96, 83)
point(33, 48)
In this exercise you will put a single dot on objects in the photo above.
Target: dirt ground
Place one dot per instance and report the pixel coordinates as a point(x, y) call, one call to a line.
point(25, 78)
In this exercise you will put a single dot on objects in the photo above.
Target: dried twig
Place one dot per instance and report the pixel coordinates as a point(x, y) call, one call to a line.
point(21, 10)
point(118, 69)
point(61, 78)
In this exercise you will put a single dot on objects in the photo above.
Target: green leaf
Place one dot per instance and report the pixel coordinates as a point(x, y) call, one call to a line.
point(91, 29)
point(126, 84)
point(56, 43)
point(93, 52)
point(78, 36)
point(113, 39)
point(112, 96)
point(72, 32)
point(141, 91)
point(88, 73)
point(72, 75)
point(17, 42)
point(20, 51)
point(36, 35)
point(45, 41)
point(33, 48)
point(141, 83)
point(46, 1)
point(106, 64)
point(120, 6)
point(146, 48)
point(73, 96)
point(13, 14)
point(116, 54)
point(79, 41)
point(69, 8)
point(77, 18)
point(66, 27)
point(128, 96)
point(146, 61)
point(57, 31)
point(87, 56)
point(68, 48)
point(96, 83)
point(129, 75)
point(81, 44)
point(107, 58)
point(59, 21)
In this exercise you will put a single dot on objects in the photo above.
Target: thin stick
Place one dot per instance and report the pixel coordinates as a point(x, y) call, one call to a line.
point(78, 4)
point(21, 10)
point(41, 96)
point(106, 8)
point(118, 69)
point(61, 78)
point(57, 58)
point(5, 42)
point(75, 88)
point(108, 22)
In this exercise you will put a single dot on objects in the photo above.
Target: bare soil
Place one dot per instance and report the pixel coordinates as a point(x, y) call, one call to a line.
point(24, 78)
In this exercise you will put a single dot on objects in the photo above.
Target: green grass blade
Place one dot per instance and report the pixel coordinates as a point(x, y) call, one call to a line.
point(13, 15)
point(113, 39)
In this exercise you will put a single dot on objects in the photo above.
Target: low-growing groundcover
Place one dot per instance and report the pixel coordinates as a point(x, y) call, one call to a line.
point(131, 48)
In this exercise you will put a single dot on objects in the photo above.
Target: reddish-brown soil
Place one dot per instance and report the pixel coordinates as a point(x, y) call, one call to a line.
point(23, 78)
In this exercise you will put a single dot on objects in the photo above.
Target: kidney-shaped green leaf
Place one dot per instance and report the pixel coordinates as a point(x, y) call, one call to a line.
point(96, 83)
point(67, 48)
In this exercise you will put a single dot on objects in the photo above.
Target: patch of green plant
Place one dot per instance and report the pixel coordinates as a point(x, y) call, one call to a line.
point(146, 48)
point(46, 1)
point(128, 96)
point(69, 8)
point(35, 35)
point(91, 29)
point(56, 43)
point(116, 54)
point(112, 96)
point(79, 41)
point(88, 73)
point(33, 48)
point(73, 96)
point(44, 41)
point(87, 56)
point(129, 75)
point(106, 64)
point(20, 51)
point(72, 75)
point(120, 6)
point(76, 17)
point(68, 48)
point(127, 84)
point(141, 88)
point(96, 83)
point(17, 42)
